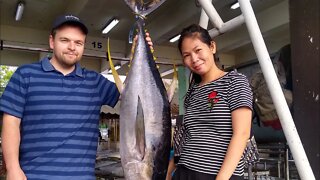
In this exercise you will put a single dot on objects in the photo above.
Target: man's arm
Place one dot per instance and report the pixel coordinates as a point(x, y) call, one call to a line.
point(10, 146)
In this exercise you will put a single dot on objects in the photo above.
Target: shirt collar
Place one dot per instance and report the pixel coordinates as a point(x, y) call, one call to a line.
point(47, 66)
point(79, 70)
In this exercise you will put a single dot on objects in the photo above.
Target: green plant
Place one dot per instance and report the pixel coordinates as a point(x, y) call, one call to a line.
point(5, 75)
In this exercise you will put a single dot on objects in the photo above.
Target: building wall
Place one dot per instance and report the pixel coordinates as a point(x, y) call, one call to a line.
point(304, 27)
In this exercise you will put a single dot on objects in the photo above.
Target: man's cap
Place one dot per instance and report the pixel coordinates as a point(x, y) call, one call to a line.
point(69, 19)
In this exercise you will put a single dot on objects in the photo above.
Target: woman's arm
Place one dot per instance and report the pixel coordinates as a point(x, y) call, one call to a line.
point(171, 168)
point(10, 146)
point(241, 125)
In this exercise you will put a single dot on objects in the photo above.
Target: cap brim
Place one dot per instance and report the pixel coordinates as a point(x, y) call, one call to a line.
point(70, 22)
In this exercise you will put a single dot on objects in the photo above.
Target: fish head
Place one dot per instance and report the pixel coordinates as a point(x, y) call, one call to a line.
point(144, 7)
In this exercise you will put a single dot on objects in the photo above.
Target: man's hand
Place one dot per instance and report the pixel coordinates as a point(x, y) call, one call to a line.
point(16, 174)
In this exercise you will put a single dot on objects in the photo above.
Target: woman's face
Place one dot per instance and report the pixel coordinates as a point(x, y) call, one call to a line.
point(198, 56)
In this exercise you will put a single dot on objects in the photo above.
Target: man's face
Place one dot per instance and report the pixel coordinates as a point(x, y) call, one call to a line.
point(67, 45)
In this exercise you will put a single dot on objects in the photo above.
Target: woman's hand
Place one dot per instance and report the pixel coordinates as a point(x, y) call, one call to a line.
point(149, 41)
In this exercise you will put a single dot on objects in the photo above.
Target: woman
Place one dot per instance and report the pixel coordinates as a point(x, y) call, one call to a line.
point(218, 108)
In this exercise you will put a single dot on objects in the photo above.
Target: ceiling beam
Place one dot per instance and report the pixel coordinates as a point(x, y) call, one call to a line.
point(272, 18)
point(75, 7)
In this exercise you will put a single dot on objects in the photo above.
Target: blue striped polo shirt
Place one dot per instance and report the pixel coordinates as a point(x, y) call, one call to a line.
point(59, 119)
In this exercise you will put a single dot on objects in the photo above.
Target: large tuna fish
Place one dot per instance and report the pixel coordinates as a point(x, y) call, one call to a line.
point(145, 120)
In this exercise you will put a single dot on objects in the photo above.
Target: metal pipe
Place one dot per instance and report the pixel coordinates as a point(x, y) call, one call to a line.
point(250, 174)
point(1, 44)
point(34, 49)
point(278, 98)
point(286, 165)
point(211, 12)
point(227, 26)
point(204, 19)
point(279, 169)
point(271, 159)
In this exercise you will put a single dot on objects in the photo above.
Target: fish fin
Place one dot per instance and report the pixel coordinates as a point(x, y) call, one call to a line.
point(140, 130)
point(115, 74)
point(173, 85)
point(143, 7)
point(134, 43)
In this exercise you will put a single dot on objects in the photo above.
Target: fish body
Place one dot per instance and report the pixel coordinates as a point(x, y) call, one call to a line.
point(145, 118)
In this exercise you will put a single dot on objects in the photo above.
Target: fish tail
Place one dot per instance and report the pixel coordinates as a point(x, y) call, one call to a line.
point(144, 8)
point(173, 85)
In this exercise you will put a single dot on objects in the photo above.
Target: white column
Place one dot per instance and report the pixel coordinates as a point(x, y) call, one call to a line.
point(204, 19)
point(211, 12)
point(278, 98)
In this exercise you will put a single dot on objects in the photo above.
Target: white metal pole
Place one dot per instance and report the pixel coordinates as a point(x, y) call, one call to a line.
point(204, 19)
point(211, 12)
point(227, 26)
point(289, 129)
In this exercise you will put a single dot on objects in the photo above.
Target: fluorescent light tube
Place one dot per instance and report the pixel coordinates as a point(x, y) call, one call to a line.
point(167, 72)
point(110, 25)
point(19, 11)
point(174, 39)
point(236, 5)
point(116, 68)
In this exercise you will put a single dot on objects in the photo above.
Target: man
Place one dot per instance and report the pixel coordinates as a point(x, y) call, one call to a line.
point(51, 111)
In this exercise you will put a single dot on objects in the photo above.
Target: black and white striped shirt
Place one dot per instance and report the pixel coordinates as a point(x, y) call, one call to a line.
point(208, 122)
